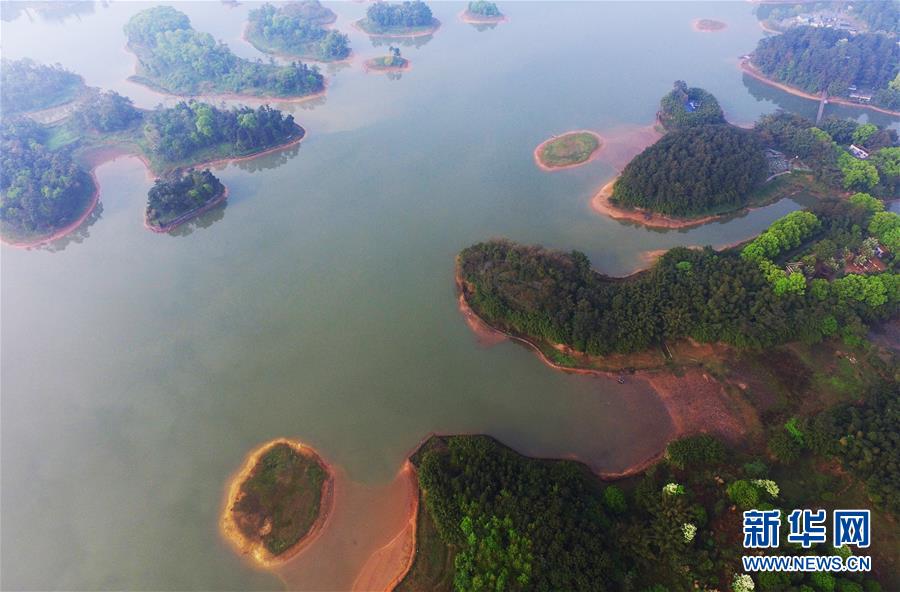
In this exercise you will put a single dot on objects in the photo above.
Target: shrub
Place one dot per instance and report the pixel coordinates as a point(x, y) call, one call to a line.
point(744, 493)
point(614, 499)
point(784, 447)
point(695, 451)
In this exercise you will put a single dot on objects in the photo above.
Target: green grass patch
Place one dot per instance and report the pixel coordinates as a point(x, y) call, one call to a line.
point(569, 149)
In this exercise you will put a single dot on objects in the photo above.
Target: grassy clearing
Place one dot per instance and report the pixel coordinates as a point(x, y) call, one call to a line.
point(280, 500)
point(569, 149)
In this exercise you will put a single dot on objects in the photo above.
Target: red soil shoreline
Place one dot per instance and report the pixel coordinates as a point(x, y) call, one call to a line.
point(549, 168)
point(474, 19)
point(748, 68)
point(369, 67)
point(601, 204)
point(437, 25)
point(255, 550)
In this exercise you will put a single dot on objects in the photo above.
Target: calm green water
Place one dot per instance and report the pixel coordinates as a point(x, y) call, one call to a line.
point(138, 369)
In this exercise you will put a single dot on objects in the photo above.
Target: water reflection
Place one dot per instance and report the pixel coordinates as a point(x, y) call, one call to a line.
point(77, 236)
point(808, 107)
point(54, 12)
point(269, 161)
point(204, 220)
point(420, 41)
point(481, 27)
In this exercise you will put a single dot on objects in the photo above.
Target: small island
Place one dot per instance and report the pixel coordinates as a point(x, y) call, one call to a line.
point(26, 85)
point(278, 502)
point(392, 62)
point(568, 150)
point(406, 19)
point(708, 25)
point(297, 30)
point(684, 107)
point(482, 12)
point(175, 59)
point(180, 196)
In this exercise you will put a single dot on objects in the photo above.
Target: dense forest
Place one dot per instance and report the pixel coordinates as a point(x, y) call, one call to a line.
point(686, 107)
point(180, 193)
point(41, 190)
point(693, 171)
point(26, 85)
point(193, 131)
point(390, 17)
point(823, 149)
point(515, 523)
point(484, 8)
point(107, 111)
point(877, 16)
point(180, 60)
point(296, 30)
point(706, 295)
point(816, 59)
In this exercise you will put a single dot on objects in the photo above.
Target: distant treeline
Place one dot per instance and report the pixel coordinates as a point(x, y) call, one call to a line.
point(180, 60)
point(817, 58)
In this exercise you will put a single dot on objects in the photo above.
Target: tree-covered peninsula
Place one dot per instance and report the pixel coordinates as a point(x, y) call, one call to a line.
point(42, 189)
point(181, 195)
point(685, 107)
point(399, 18)
point(693, 171)
point(297, 30)
point(816, 59)
point(748, 299)
point(26, 85)
point(175, 58)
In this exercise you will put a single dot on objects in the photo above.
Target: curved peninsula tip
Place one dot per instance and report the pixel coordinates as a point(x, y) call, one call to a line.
point(568, 150)
point(278, 501)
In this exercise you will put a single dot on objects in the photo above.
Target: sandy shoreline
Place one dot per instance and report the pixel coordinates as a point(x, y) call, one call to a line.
point(748, 68)
point(424, 33)
point(549, 168)
point(255, 549)
point(601, 204)
point(474, 19)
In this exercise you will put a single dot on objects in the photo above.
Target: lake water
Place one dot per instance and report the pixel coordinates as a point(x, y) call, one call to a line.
point(318, 303)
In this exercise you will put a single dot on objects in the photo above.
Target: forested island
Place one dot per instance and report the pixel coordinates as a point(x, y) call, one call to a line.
point(46, 188)
point(693, 171)
point(392, 62)
point(685, 107)
point(400, 19)
point(277, 501)
point(180, 196)
point(26, 85)
point(297, 30)
point(482, 12)
point(176, 59)
point(567, 150)
point(861, 68)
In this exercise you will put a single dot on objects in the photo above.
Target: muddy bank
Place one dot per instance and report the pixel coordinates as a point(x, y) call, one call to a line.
point(748, 68)
point(367, 542)
point(477, 19)
point(254, 549)
point(546, 167)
